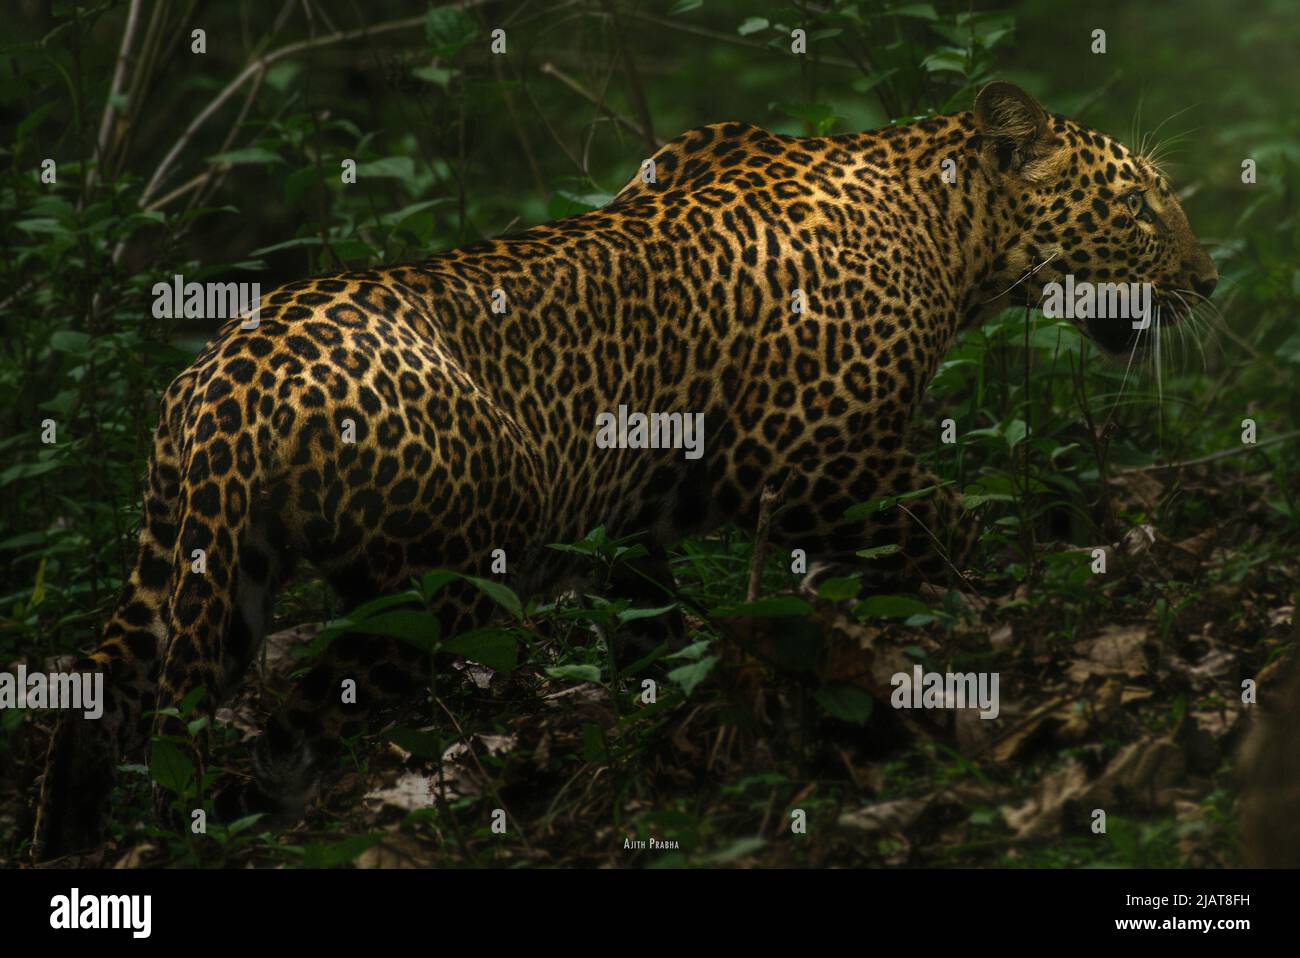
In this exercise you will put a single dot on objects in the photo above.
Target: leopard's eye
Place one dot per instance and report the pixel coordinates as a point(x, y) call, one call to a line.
point(1137, 205)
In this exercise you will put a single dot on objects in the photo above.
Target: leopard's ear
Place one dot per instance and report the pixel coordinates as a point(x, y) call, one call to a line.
point(1013, 123)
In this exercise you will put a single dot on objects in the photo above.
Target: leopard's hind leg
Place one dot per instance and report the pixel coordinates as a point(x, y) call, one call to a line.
point(73, 806)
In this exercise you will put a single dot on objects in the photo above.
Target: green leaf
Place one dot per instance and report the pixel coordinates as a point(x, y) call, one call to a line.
point(1015, 432)
point(864, 509)
point(502, 595)
point(693, 651)
point(27, 470)
point(288, 244)
point(568, 203)
point(879, 552)
point(495, 648)
point(752, 25)
point(434, 582)
point(975, 500)
point(582, 673)
point(840, 588)
point(42, 225)
point(248, 156)
point(417, 627)
point(440, 76)
point(954, 60)
point(923, 11)
point(33, 121)
point(684, 6)
point(192, 699)
point(241, 824)
point(406, 212)
point(689, 676)
point(70, 341)
point(448, 29)
point(631, 615)
point(333, 855)
point(390, 167)
point(281, 75)
point(1290, 350)
point(846, 702)
point(297, 184)
point(419, 743)
point(820, 116)
point(170, 767)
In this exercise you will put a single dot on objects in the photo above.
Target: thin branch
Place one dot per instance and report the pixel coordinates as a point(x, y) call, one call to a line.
point(521, 134)
point(726, 37)
point(551, 70)
point(250, 71)
point(633, 77)
point(1212, 457)
point(767, 501)
point(115, 88)
point(209, 185)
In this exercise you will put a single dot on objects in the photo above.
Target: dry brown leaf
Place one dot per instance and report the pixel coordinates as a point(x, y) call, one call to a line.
point(1042, 814)
point(1001, 638)
point(1139, 540)
point(396, 850)
point(1147, 771)
point(278, 656)
point(1029, 728)
point(1119, 650)
point(137, 856)
point(891, 816)
point(409, 792)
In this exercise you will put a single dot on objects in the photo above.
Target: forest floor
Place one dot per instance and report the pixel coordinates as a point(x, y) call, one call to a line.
point(775, 743)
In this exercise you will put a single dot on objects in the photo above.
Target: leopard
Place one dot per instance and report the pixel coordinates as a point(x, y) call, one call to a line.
point(796, 292)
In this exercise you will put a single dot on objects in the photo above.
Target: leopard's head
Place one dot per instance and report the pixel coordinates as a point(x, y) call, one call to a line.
point(1085, 206)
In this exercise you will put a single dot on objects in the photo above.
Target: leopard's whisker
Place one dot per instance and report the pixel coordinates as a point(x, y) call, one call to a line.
point(1162, 359)
point(1211, 318)
point(1027, 275)
point(1191, 320)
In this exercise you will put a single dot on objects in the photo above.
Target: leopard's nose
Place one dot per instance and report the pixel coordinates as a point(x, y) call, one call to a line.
point(1204, 286)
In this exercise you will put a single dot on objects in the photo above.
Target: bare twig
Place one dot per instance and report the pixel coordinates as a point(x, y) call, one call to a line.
point(767, 501)
point(633, 77)
point(551, 69)
point(724, 37)
point(521, 134)
point(213, 177)
point(1212, 457)
point(253, 69)
point(115, 90)
point(487, 779)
